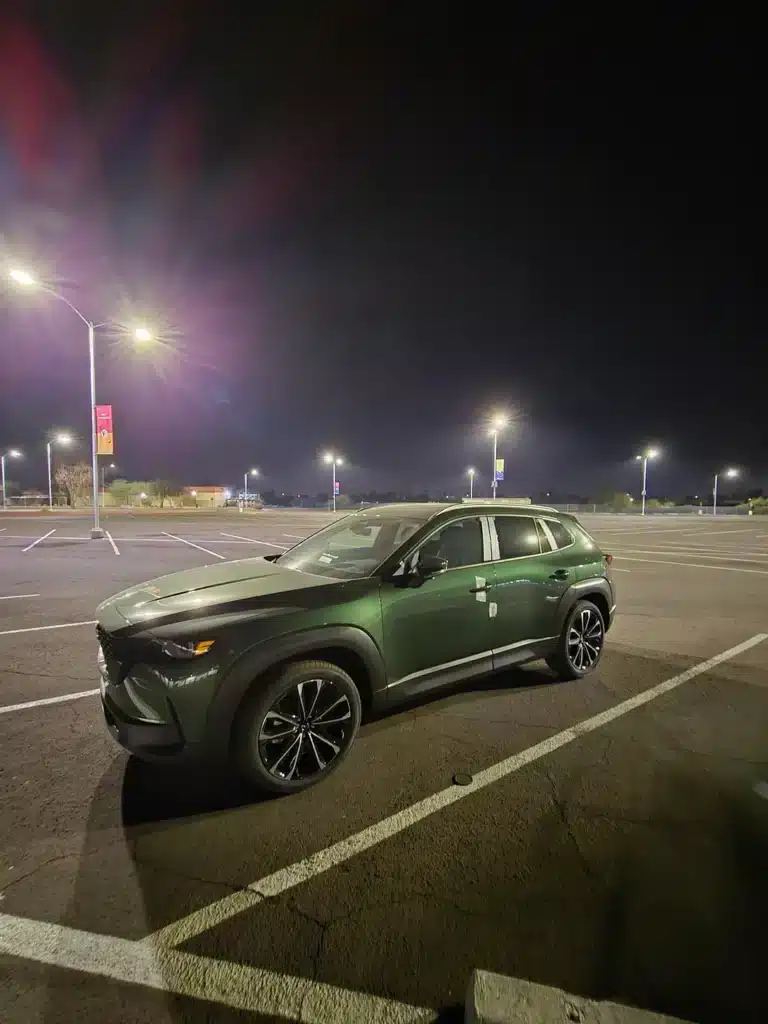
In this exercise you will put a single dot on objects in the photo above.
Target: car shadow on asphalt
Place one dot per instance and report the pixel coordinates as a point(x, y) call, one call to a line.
point(521, 680)
point(153, 793)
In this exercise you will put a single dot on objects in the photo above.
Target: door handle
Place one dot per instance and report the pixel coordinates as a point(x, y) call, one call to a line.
point(559, 574)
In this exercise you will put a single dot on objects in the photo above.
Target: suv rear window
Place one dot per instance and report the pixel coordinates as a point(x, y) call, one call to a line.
point(561, 535)
point(517, 536)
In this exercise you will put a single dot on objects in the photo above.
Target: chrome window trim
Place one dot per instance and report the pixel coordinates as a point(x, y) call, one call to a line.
point(549, 535)
point(515, 558)
point(552, 539)
point(440, 526)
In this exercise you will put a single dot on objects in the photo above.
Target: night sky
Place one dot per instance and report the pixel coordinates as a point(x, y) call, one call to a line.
point(361, 227)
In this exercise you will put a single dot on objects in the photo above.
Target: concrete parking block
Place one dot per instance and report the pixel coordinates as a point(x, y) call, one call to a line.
point(498, 999)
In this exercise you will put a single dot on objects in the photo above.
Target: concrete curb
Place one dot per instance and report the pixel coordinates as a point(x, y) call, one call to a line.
point(497, 999)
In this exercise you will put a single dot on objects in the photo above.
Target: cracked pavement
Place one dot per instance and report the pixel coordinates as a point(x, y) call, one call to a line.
point(628, 864)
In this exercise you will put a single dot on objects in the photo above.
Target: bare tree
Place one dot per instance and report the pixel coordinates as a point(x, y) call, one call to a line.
point(75, 481)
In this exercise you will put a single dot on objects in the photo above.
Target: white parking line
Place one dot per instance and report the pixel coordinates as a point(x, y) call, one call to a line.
point(36, 542)
point(694, 565)
point(253, 989)
point(193, 545)
point(720, 556)
point(17, 597)
point(721, 532)
point(37, 629)
point(268, 543)
point(293, 536)
point(286, 878)
point(46, 700)
point(109, 538)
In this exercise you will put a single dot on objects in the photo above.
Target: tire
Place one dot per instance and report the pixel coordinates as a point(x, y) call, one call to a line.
point(288, 735)
point(576, 655)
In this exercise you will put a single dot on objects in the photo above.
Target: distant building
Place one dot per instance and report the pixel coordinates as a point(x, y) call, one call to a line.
point(206, 497)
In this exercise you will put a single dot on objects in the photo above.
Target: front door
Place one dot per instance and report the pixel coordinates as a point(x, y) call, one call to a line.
point(527, 589)
point(439, 631)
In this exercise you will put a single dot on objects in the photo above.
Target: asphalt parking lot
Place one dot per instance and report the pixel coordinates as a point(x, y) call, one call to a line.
point(613, 849)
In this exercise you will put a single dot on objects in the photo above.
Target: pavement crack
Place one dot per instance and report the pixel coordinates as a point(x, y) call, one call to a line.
point(560, 806)
point(43, 675)
point(39, 867)
point(231, 887)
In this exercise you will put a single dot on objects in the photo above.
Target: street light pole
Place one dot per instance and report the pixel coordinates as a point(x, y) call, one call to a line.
point(651, 453)
point(50, 484)
point(497, 423)
point(96, 531)
point(471, 483)
point(645, 477)
point(333, 459)
point(728, 473)
point(495, 483)
point(141, 334)
point(14, 454)
point(248, 472)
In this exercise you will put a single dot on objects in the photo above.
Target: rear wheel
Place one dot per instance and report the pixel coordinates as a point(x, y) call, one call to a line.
point(298, 728)
point(580, 644)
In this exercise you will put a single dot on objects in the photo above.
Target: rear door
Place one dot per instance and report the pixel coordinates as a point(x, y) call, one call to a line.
point(527, 587)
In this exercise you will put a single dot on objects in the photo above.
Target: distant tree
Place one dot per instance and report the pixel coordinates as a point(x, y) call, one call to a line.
point(121, 491)
point(620, 501)
point(163, 489)
point(343, 501)
point(12, 489)
point(75, 480)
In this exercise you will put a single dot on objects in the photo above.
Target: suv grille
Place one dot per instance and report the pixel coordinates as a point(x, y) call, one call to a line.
point(127, 649)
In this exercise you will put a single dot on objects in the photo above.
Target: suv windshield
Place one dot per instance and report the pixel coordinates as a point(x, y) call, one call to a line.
point(353, 547)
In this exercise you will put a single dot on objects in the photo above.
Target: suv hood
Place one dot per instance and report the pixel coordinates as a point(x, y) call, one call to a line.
point(206, 586)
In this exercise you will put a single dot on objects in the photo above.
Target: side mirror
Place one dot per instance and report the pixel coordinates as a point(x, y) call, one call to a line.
point(430, 565)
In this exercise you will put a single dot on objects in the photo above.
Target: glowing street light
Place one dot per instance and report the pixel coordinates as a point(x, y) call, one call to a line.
point(13, 453)
point(26, 280)
point(730, 473)
point(471, 475)
point(650, 453)
point(250, 472)
point(498, 423)
point(333, 460)
point(62, 439)
point(22, 277)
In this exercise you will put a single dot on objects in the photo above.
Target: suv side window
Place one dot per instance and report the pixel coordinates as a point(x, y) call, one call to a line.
point(517, 536)
point(561, 535)
point(546, 544)
point(459, 542)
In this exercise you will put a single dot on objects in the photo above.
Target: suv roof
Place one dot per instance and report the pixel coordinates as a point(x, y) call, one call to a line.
point(427, 510)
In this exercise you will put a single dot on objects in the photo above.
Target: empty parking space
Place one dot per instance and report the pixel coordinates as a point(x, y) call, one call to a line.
point(571, 866)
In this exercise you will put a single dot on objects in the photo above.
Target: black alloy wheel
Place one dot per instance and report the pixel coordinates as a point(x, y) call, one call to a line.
point(299, 728)
point(580, 645)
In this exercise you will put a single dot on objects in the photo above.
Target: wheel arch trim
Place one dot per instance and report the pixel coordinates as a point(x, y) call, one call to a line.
point(262, 656)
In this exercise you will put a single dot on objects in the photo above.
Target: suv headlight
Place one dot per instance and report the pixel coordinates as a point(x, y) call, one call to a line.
point(186, 650)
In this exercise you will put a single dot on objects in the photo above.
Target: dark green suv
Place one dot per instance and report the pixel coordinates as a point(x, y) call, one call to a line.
point(270, 661)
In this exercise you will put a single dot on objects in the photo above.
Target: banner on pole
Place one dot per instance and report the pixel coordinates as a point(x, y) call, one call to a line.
point(499, 469)
point(337, 489)
point(105, 442)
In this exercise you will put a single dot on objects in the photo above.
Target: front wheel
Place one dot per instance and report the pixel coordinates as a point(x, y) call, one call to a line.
point(580, 644)
point(298, 728)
